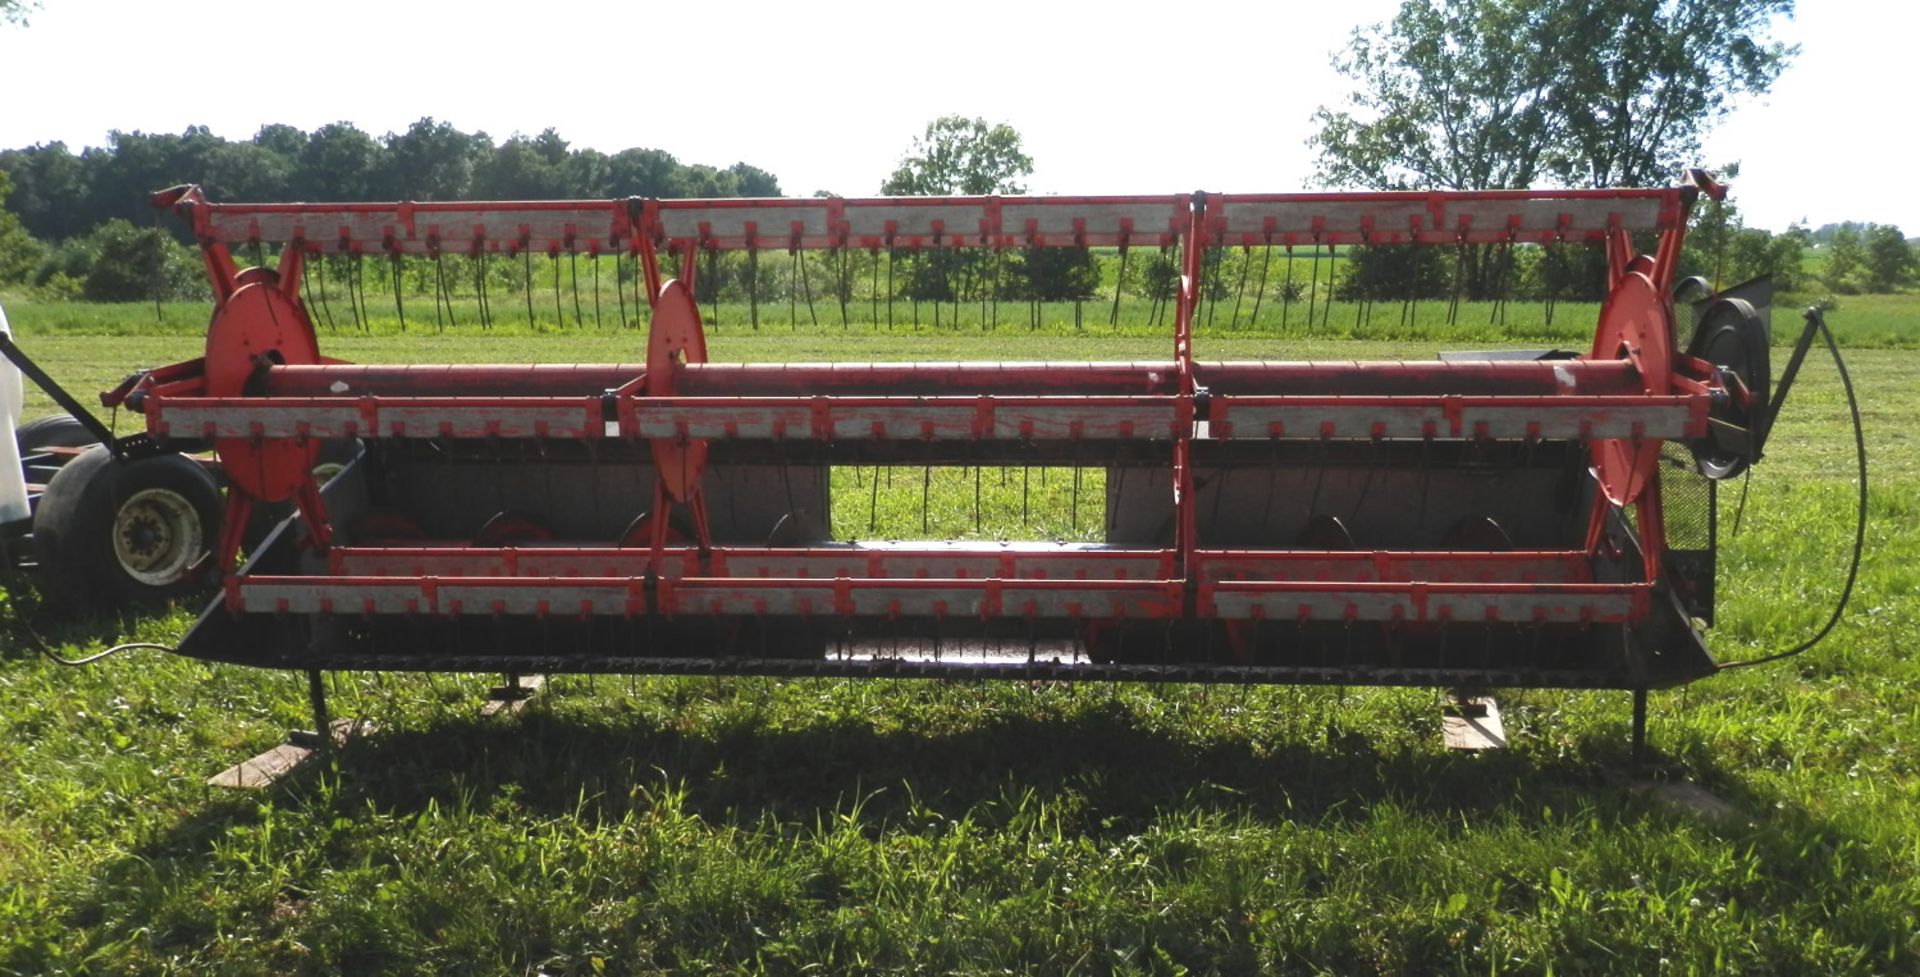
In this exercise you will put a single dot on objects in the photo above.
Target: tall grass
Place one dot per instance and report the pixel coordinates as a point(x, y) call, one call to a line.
point(879, 827)
point(1868, 321)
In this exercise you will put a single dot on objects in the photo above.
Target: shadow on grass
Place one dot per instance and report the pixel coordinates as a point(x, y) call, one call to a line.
point(1121, 772)
point(1103, 768)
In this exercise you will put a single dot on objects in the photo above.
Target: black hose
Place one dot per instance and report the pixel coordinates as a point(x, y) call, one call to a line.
point(1860, 516)
point(47, 652)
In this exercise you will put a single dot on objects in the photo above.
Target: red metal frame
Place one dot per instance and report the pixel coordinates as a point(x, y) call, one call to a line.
point(1626, 397)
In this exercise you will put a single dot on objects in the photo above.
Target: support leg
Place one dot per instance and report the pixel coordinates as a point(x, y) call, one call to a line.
point(322, 724)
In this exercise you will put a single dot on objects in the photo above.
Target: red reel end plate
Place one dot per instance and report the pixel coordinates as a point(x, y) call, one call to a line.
point(1636, 324)
point(259, 324)
point(674, 337)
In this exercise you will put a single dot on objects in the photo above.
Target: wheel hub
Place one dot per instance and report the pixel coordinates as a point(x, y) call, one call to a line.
point(156, 533)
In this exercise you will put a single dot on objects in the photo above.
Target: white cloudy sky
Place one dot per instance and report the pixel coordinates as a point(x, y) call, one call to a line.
point(1115, 97)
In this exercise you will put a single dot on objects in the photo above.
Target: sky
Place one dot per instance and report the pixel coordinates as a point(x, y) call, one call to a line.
point(1114, 97)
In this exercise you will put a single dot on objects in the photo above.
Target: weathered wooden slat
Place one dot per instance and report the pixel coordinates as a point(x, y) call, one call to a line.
point(1473, 724)
point(268, 768)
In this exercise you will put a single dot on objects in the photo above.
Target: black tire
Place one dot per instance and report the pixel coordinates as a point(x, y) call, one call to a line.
point(55, 431)
point(109, 533)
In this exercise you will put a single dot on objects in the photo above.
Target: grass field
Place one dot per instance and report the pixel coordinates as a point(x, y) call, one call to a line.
point(1882, 321)
point(755, 826)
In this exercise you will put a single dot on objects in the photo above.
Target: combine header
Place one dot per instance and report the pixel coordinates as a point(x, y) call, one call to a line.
point(1472, 522)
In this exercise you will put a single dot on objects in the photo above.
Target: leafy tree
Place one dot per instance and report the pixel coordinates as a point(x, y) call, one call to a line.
point(1889, 259)
point(1723, 249)
point(958, 155)
point(643, 173)
point(60, 196)
point(1752, 252)
point(523, 169)
point(247, 171)
point(752, 181)
point(19, 252)
point(1484, 93)
point(339, 162)
point(1824, 233)
point(1401, 271)
point(586, 173)
point(134, 164)
point(119, 262)
point(1452, 95)
point(15, 11)
point(1651, 77)
point(1846, 260)
point(49, 190)
point(1464, 94)
point(281, 139)
point(1060, 274)
point(433, 161)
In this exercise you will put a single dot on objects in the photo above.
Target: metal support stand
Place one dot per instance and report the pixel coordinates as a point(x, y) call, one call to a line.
point(513, 695)
point(317, 695)
point(301, 746)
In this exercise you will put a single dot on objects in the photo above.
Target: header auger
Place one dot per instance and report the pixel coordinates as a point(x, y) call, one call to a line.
point(1478, 521)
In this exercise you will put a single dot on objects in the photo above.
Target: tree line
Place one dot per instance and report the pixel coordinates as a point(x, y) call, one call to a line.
point(68, 213)
point(59, 194)
point(124, 256)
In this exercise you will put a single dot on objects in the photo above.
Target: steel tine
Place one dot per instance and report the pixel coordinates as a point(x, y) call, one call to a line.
point(1119, 285)
point(526, 275)
point(1313, 288)
point(842, 280)
point(360, 287)
point(1333, 268)
point(573, 277)
point(559, 317)
point(1286, 293)
point(440, 295)
point(1246, 265)
point(806, 290)
point(995, 287)
point(712, 283)
point(479, 268)
point(325, 306)
point(619, 290)
point(1459, 281)
point(1260, 292)
point(1209, 268)
point(753, 286)
point(306, 293)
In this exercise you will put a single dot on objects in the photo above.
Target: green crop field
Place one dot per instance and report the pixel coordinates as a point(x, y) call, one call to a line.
point(759, 826)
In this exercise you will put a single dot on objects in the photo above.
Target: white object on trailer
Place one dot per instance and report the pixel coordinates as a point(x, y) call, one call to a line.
point(13, 479)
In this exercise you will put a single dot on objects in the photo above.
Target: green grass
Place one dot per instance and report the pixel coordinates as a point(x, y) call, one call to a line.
point(757, 826)
point(1884, 321)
